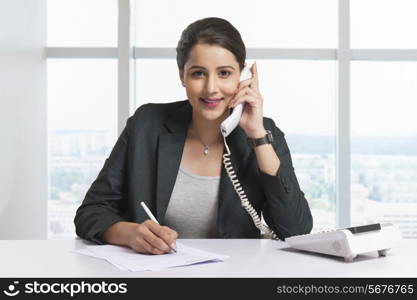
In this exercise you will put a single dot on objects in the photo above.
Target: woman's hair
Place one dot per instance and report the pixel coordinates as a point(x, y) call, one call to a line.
point(212, 31)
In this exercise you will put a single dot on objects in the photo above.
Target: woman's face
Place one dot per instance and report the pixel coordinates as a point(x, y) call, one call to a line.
point(211, 72)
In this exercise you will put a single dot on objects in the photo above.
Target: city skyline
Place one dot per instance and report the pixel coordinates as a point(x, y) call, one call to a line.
point(76, 157)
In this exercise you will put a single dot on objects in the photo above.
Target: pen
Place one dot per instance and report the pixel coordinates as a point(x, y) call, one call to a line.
point(150, 215)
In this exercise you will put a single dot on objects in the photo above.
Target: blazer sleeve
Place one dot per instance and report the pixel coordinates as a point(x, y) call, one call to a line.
point(106, 200)
point(285, 210)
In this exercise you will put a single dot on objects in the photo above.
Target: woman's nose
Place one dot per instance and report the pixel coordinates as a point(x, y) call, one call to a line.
point(211, 84)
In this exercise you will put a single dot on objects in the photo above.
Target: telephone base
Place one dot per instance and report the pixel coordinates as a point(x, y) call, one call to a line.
point(349, 242)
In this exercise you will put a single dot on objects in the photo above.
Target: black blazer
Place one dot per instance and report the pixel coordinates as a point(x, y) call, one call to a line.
point(144, 163)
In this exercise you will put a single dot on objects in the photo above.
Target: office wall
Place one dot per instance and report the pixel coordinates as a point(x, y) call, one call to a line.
point(23, 147)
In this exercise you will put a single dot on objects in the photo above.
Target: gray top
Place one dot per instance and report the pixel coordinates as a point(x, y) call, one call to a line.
point(192, 209)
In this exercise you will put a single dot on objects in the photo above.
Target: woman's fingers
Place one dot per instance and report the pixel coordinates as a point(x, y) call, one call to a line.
point(150, 237)
point(255, 77)
point(142, 246)
point(253, 101)
point(173, 235)
point(154, 240)
point(162, 235)
point(245, 83)
point(240, 94)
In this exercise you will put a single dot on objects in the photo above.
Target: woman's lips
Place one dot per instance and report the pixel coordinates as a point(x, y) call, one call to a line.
point(211, 102)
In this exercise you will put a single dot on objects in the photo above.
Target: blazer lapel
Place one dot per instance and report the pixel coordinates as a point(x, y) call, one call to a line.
point(170, 150)
point(170, 147)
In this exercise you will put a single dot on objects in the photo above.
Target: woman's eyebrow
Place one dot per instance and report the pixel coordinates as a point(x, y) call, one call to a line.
point(200, 67)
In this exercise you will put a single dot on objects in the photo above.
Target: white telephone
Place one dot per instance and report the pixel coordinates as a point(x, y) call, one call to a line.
point(232, 121)
point(227, 126)
point(349, 242)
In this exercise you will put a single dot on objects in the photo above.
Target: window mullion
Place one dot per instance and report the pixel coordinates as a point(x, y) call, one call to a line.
point(126, 63)
point(343, 194)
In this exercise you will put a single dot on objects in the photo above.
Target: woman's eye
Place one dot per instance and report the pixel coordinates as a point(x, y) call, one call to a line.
point(227, 73)
point(197, 72)
point(200, 73)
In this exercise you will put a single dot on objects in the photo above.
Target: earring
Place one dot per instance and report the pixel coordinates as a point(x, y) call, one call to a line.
point(183, 84)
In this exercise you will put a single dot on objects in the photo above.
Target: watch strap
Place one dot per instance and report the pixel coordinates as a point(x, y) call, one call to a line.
point(267, 139)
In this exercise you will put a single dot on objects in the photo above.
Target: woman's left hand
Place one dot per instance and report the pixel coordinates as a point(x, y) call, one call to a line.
point(252, 116)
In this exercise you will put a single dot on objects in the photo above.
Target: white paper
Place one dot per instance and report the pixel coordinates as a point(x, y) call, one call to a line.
point(127, 259)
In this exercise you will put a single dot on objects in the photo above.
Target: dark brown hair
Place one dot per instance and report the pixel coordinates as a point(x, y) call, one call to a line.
point(212, 31)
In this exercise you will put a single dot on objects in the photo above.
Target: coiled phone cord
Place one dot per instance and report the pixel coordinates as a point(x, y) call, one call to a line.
point(243, 198)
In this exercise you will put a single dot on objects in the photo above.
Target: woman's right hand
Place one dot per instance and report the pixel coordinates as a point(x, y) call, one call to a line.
point(151, 238)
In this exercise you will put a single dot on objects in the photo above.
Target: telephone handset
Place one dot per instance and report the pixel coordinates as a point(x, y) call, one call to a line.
point(226, 127)
point(232, 121)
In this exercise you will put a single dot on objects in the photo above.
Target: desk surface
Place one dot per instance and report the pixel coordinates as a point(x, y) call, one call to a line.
point(248, 258)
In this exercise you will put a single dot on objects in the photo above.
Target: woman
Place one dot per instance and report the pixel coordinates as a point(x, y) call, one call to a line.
point(170, 157)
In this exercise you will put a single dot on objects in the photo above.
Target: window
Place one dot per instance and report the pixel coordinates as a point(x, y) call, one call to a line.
point(312, 147)
point(82, 106)
point(384, 24)
point(384, 144)
point(81, 23)
point(268, 24)
point(307, 72)
point(383, 131)
point(81, 130)
point(158, 81)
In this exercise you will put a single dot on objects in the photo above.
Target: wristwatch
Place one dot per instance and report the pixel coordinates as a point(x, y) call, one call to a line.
point(267, 139)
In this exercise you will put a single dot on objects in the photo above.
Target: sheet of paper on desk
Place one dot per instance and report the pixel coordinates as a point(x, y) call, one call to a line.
point(127, 259)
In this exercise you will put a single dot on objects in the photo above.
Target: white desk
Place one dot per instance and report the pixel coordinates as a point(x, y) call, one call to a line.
point(248, 258)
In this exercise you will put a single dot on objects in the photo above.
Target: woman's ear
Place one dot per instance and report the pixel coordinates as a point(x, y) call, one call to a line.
point(181, 73)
